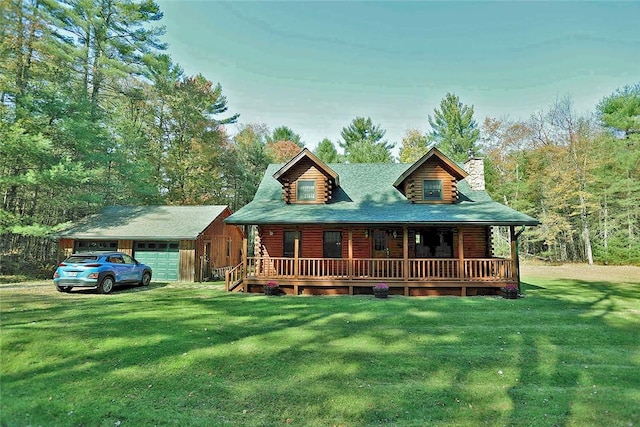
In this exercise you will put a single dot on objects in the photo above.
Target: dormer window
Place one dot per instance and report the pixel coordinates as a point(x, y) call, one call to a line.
point(431, 179)
point(432, 189)
point(306, 191)
point(307, 179)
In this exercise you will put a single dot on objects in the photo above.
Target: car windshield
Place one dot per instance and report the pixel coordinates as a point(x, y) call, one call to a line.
point(81, 259)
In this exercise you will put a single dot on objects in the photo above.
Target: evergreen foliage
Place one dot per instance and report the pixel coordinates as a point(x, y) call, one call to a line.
point(454, 129)
point(621, 110)
point(284, 133)
point(362, 142)
point(92, 113)
point(326, 151)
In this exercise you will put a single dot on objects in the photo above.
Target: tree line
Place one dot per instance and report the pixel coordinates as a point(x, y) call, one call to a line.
point(94, 113)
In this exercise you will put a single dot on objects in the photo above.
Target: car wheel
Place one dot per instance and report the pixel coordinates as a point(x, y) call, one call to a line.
point(106, 285)
point(63, 288)
point(146, 278)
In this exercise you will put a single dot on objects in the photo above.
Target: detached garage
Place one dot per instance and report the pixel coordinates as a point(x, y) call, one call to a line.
point(186, 243)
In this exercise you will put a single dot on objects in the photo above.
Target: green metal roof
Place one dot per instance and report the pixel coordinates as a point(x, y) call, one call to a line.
point(367, 196)
point(145, 223)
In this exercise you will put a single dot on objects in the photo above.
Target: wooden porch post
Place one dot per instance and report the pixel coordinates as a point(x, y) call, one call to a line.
point(460, 253)
point(245, 245)
point(296, 259)
point(405, 251)
point(513, 237)
point(350, 254)
point(405, 254)
point(245, 267)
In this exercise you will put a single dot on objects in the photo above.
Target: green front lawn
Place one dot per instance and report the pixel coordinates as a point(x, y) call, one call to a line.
point(188, 354)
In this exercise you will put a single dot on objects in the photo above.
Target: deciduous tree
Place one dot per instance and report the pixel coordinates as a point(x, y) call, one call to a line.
point(245, 162)
point(282, 151)
point(414, 145)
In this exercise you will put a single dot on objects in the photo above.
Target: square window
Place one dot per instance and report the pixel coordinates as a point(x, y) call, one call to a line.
point(432, 189)
point(306, 190)
point(332, 244)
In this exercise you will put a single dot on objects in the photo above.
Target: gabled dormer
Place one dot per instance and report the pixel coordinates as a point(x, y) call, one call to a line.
point(432, 179)
point(307, 179)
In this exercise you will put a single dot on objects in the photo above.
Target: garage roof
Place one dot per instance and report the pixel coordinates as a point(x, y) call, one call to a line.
point(145, 223)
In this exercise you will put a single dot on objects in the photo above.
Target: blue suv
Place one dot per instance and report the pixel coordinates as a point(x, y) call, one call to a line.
point(102, 270)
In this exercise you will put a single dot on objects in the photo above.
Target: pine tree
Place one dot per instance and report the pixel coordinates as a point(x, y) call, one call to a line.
point(362, 142)
point(327, 152)
point(619, 179)
point(621, 111)
point(454, 129)
point(284, 133)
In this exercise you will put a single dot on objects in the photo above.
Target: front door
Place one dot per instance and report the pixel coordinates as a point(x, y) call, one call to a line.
point(380, 268)
point(380, 244)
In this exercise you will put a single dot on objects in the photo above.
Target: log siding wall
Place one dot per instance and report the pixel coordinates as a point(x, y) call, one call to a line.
point(477, 242)
point(269, 241)
point(430, 170)
point(305, 170)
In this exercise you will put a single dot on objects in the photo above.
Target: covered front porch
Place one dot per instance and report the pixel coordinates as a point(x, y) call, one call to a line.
point(412, 261)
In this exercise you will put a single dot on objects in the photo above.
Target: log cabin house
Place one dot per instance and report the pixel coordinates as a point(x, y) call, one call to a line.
point(423, 229)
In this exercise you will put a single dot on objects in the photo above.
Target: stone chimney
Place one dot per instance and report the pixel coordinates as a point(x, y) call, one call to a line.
point(475, 168)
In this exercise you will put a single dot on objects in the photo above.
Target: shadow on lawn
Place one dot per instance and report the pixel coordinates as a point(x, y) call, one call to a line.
point(122, 289)
point(441, 360)
point(526, 286)
point(592, 353)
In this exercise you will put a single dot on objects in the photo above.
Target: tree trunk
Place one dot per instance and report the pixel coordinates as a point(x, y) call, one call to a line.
point(586, 237)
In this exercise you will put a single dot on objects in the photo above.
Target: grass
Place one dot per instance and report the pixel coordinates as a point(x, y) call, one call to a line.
point(190, 354)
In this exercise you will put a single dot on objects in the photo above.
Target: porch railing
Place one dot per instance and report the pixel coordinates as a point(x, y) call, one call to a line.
point(476, 269)
point(233, 277)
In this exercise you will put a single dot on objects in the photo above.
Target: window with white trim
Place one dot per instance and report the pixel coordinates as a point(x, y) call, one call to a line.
point(306, 190)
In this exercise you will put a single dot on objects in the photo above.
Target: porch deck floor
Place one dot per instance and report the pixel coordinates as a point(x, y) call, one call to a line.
point(365, 286)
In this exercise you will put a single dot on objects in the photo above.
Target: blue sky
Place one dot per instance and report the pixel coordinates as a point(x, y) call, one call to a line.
point(314, 66)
